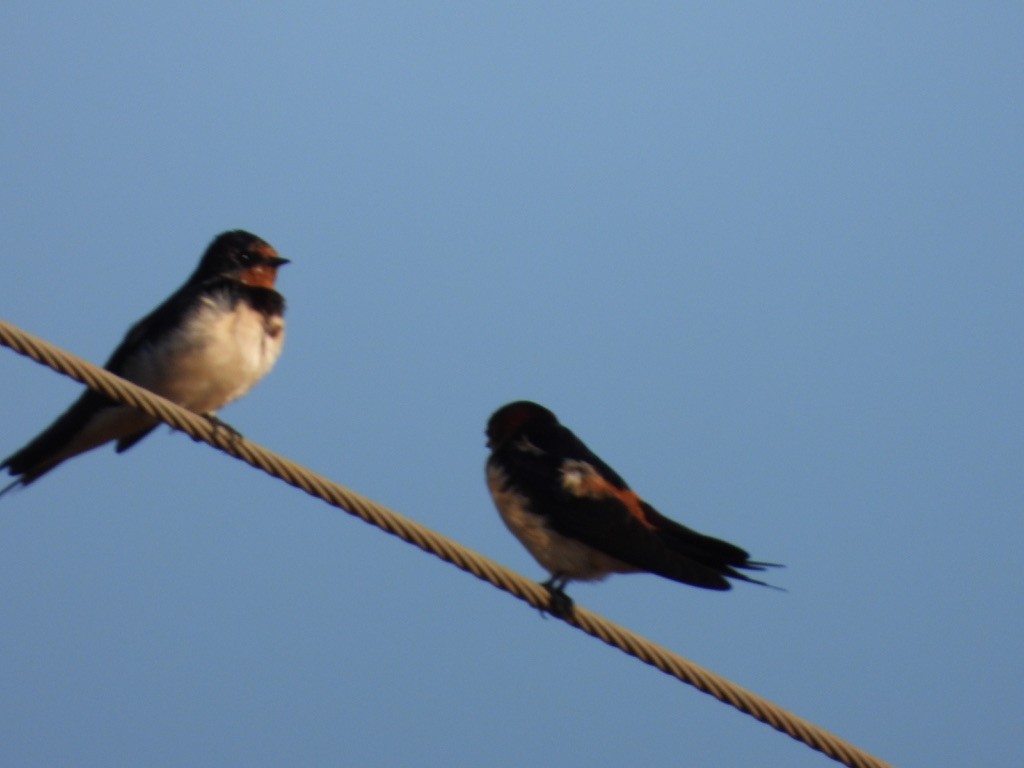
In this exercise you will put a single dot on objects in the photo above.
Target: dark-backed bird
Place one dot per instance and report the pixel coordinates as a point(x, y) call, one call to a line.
point(206, 345)
point(580, 520)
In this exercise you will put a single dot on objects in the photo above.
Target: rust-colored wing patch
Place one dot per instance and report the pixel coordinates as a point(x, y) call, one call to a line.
point(581, 479)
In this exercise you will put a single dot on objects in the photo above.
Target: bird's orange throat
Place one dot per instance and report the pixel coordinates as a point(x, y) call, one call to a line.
point(260, 276)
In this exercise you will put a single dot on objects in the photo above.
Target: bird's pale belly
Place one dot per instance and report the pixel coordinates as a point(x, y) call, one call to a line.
point(558, 554)
point(217, 356)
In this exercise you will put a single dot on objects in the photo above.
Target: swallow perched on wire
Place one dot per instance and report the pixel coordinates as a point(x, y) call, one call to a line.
point(580, 520)
point(206, 345)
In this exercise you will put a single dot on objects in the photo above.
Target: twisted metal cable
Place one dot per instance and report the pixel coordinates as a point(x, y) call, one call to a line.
point(201, 428)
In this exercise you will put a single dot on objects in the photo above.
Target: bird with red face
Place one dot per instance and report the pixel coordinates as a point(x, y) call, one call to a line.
point(205, 346)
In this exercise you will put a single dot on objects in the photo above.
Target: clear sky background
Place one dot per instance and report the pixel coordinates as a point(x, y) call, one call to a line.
point(765, 258)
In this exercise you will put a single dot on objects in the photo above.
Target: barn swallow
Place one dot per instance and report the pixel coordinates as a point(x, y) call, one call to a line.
point(580, 520)
point(206, 345)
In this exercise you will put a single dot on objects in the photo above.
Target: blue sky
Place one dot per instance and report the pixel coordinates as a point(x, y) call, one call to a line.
point(766, 259)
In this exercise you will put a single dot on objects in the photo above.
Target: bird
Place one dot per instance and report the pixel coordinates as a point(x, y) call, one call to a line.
point(581, 521)
point(205, 346)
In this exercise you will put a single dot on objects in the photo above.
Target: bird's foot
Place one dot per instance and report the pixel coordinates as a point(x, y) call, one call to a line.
point(560, 605)
point(218, 424)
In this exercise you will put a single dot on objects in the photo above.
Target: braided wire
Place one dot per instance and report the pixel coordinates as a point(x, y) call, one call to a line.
point(201, 428)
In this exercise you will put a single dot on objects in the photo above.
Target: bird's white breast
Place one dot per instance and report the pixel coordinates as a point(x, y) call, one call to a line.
point(216, 356)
